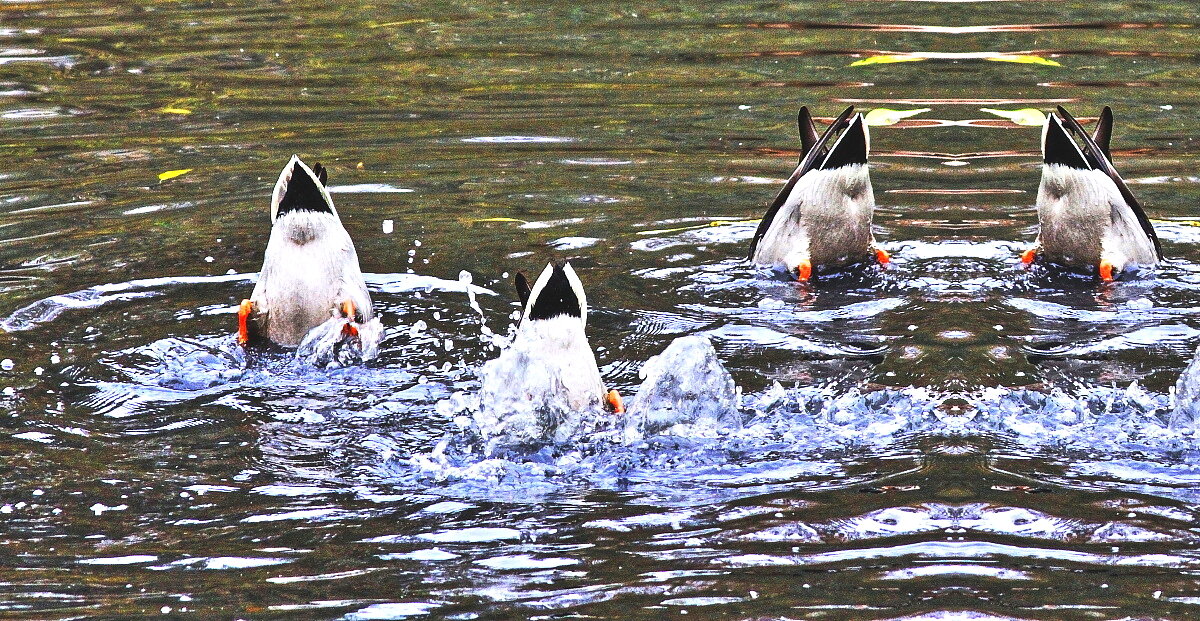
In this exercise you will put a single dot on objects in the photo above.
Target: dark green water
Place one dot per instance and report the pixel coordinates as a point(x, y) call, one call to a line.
point(956, 476)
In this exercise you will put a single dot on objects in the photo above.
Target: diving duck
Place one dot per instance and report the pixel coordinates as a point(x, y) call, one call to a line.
point(310, 293)
point(543, 384)
point(553, 318)
point(1088, 218)
point(822, 216)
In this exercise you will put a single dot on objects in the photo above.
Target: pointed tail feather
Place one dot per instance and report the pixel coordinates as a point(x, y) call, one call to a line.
point(1103, 133)
point(852, 146)
point(299, 188)
point(1059, 148)
point(808, 131)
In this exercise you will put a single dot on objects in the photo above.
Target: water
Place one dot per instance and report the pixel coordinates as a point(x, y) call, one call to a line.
point(952, 438)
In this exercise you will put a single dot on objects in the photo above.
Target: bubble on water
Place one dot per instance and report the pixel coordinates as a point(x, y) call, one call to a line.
point(1186, 413)
point(332, 345)
point(417, 243)
point(54, 359)
point(100, 508)
point(685, 386)
point(465, 278)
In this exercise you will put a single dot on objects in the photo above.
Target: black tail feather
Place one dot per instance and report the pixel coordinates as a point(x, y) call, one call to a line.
point(1059, 148)
point(808, 131)
point(851, 147)
point(556, 298)
point(1103, 134)
point(302, 193)
point(322, 173)
point(522, 289)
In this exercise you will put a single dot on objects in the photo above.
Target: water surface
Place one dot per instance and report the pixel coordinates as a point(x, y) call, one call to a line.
point(1006, 456)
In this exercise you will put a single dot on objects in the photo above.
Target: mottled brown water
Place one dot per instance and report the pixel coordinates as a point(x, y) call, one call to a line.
point(993, 463)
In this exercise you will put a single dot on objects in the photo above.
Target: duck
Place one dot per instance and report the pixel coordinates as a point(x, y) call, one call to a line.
point(542, 383)
point(310, 293)
point(553, 322)
point(1088, 219)
point(821, 218)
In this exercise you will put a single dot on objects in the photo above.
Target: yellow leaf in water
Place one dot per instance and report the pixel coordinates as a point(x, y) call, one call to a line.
point(1024, 59)
point(696, 226)
point(1024, 116)
point(399, 23)
point(887, 116)
point(171, 174)
point(499, 220)
point(884, 59)
point(170, 110)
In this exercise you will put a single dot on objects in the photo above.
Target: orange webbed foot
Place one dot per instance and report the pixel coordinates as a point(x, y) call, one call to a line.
point(882, 256)
point(804, 271)
point(1106, 271)
point(348, 311)
point(614, 402)
point(1029, 256)
point(245, 310)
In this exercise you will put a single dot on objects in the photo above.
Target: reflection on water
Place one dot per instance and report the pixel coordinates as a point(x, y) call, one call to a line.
point(953, 437)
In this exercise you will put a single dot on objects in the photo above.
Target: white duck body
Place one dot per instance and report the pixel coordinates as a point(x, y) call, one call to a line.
point(557, 360)
point(1088, 218)
point(310, 269)
point(1085, 221)
point(822, 217)
point(540, 384)
point(826, 220)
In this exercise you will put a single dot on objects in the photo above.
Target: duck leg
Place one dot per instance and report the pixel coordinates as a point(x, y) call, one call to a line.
point(882, 256)
point(245, 311)
point(1106, 271)
point(613, 400)
point(349, 312)
point(1029, 256)
point(804, 271)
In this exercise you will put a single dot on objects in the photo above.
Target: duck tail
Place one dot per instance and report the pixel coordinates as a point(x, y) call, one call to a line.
point(301, 188)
